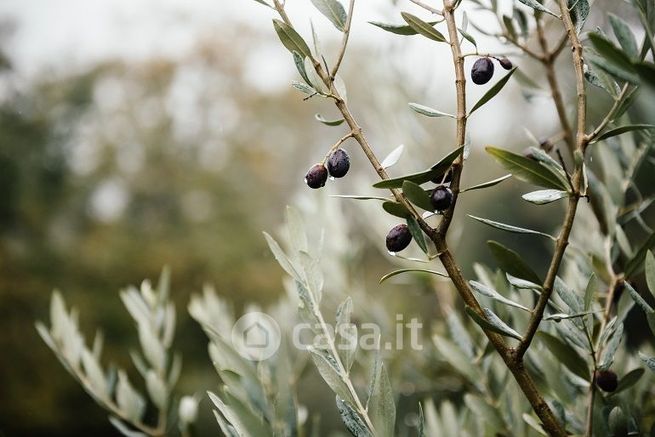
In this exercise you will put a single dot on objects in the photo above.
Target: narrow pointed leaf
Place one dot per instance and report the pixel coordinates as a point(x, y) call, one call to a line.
point(493, 294)
point(428, 112)
point(356, 197)
point(623, 129)
point(565, 354)
point(422, 27)
point(290, 38)
point(542, 197)
point(417, 234)
point(380, 404)
point(334, 12)
point(522, 284)
point(493, 91)
point(629, 379)
point(538, 6)
point(467, 36)
point(303, 88)
point(624, 35)
point(649, 361)
point(634, 266)
point(526, 169)
point(425, 176)
point(336, 122)
point(399, 29)
point(509, 228)
point(492, 323)
point(487, 184)
point(616, 61)
point(579, 13)
point(417, 195)
point(512, 263)
point(650, 271)
point(396, 209)
point(393, 157)
point(400, 271)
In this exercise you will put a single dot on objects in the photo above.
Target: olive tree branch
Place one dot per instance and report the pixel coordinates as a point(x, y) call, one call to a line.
point(581, 141)
point(344, 43)
point(427, 7)
point(609, 117)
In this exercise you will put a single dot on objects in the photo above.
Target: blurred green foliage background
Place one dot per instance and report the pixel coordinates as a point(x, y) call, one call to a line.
point(110, 172)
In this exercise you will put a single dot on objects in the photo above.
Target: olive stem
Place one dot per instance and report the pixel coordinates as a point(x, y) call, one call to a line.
point(336, 145)
point(427, 7)
point(344, 43)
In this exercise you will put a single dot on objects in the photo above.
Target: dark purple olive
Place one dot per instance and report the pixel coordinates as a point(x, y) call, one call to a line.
point(441, 198)
point(505, 63)
point(398, 238)
point(316, 176)
point(482, 71)
point(606, 380)
point(338, 164)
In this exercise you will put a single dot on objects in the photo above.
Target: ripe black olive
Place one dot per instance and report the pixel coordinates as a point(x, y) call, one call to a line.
point(398, 238)
point(338, 164)
point(441, 198)
point(505, 63)
point(316, 176)
point(606, 380)
point(482, 71)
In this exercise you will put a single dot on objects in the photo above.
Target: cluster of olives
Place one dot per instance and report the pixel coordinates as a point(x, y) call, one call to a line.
point(338, 164)
point(441, 198)
point(483, 69)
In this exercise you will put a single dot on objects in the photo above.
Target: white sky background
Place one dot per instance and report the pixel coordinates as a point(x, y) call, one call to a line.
point(60, 35)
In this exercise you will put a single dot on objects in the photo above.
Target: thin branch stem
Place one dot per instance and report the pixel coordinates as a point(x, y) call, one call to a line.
point(581, 144)
point(427, 7)
point(337, 144)
point(344, 43)
point(610, 114)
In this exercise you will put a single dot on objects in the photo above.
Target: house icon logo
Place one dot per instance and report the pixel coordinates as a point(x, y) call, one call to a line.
point(256, 336)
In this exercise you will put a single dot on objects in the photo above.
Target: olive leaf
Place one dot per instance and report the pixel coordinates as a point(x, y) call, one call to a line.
point(542, 197)
point(526, 169)
point(636, 263)
point(621, 130)
point(624, 35)
point(491, 93)
point(510, 228)
point(613, 60)
point(422, 27)
point(488, 184)
point(428, 112)
point(565, 354)
point(290, 38)
point(534, 4)
point(357, 197)
point(393, 157)
point(579, 13)
point(334, 12)
point(493, 294)
point(303, 88)
point(512, 263)
point(417, 195)
point(396, 209)
point(650, 271)
point(425, 176)
point(628, 380)
point(400, 271)
point(417, 234)
point(336, 122)
point(399, 29)
point(491, 322)
point(649, 361)
point(380, 403)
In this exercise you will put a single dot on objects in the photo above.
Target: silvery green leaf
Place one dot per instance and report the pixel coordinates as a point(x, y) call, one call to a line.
point(136, 306)
point(417, 234)
point(526, 169)
point(290, 38)
point(487, 184)
point(558, 317)
point(328, 368)
point(94, 374)
point(352, 419)
point(314, 78)
point(422, 27)
point(152, 348)
point(157, 390)
point(128, 399)
point(393, 157)
point(572, 300)
point(623, 129)
point(399, 29)
point(45, 336)
point(611, 347)
point(175, 371)
point(262, 2)
point(459, 334)
point(399, 271)
point(629, 379)
point(641, 303)
point(230, 417)
point(493, 294)
point(624, 35)
point(315, 40)
point(424, 176)
point(534, 4)
point(347, 345)
point(650, 271)
point(579, 13)
point(428, 112)
point(468, 37)
point(489, 415)
point(565, 354)
point(650, 361)
point(356, 197)
point(522, 283)
point(344, 311)
point(491, 93)
point(124, 429)
point(334, 12)
point(457, 359)
point(340, 86)
point(282, 258)
point(303, 88)
point(421, 421)
point(380, 404)
point(417, 195)
point(313, 275)
point(534, 424)
point(335, 122)
point(542, 197)
point(296, 230)
point(600, 79)
point(492, 322)
point(512, 262)
point(169, 325)
point(544, 158)
point(306, 300)
point(510, 228)
point(300, 66)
